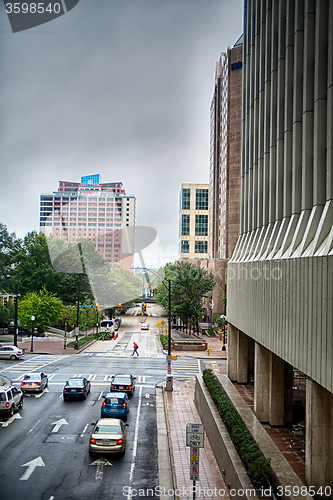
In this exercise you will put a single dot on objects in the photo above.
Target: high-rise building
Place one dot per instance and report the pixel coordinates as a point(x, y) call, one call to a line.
point(225, 168)
point(280, 276)
point(100, 212)
point(193, 221)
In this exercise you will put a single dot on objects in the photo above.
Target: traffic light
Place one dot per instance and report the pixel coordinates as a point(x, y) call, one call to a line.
point(144, 307)
point(74, 326)
point(96, 307)
point(4, 300)
point(14, 300)
point(119, 307)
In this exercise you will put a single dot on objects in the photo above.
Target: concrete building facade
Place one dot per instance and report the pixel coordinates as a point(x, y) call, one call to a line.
point(280, 276)
point(101, 212)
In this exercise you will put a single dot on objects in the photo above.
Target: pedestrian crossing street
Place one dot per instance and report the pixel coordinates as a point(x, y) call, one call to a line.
point(182, 368)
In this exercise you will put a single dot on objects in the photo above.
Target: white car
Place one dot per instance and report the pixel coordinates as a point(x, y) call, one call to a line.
point(144, 326)
point(11, 352)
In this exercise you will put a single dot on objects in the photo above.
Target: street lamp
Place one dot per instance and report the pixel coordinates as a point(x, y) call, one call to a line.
point(96, 307)
point(169, 383)
point(32, 333)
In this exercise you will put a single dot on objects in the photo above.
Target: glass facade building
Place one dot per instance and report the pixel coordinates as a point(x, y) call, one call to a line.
point(193, 221)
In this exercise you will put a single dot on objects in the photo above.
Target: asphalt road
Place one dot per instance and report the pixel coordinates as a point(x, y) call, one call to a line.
point(44, 447)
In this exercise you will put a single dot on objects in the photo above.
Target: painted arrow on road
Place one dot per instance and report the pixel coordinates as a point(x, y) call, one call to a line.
point(10, 420)
point(36, 462)
point(58, 424)
point(101, 463)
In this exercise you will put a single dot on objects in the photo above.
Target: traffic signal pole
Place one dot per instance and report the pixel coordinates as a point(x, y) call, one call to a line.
point(16, 315)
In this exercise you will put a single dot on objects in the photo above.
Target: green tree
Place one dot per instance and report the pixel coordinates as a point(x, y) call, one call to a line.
point(189, 285)
point(9, 246)
point(45, 306)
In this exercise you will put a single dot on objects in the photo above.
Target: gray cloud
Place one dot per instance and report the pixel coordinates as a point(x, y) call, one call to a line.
point(118, 88)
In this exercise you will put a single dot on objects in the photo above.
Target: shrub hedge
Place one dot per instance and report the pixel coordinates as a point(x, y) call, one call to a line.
point(256, 464)
point(164, 340)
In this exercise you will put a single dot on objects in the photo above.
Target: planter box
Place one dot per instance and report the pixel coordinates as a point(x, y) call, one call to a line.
point(180, 346)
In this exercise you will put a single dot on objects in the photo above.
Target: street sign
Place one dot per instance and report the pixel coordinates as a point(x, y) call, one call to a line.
point(83, 306)
point(169, 369)
point(194, 472)
point(169, 358)
point(195, 435)
point(162, 323)
point(194, 453)
point(158, 325)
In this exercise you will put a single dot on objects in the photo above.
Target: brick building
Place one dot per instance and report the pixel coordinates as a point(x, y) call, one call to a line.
point(101, 212)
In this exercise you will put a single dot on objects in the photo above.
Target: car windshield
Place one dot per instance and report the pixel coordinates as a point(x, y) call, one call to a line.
point(75, 383)
point(32, 376)
point(122, 380)
point(107, 429)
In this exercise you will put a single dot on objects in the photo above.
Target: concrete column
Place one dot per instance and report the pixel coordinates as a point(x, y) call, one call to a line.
point(319, 436)
point(242, 358)
point(288, 393)
point(261, 382)
point(276, 390)
point(269, 377)
point(233, 334)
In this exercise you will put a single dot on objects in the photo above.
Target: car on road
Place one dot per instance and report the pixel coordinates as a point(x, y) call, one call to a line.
point(123, 383)
point(144, 326)
point(108, 436)
point(11, 352)
point(11, 399)
point(76, 388)
point(115, 405)
point(118, 320)
point(34, 382)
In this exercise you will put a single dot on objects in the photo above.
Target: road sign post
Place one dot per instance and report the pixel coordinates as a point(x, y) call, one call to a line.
point(194, 439)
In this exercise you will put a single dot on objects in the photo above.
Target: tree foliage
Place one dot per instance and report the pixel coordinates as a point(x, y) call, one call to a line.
point(43, 305)
point(189, 285)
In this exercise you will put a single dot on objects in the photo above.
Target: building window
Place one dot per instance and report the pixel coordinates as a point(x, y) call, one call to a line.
point(200, 247)
point(185, 246)
point(186, 199)
point(201, 199)
point(185, 230)
point(201, 225)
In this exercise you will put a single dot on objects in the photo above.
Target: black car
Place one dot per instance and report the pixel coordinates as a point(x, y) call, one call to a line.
point(123, 383)
point(76, 388)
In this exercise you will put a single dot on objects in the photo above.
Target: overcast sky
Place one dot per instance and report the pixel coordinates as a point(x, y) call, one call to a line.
point(117, 87)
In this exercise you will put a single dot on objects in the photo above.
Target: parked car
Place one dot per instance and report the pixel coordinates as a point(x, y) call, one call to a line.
point(115, 405)
point(144, 326)
point(11, 399)
point(34, 382)
point(123, 383)
point(118, 320)
point(108, 436)
point(11, 352)
point(76, 388)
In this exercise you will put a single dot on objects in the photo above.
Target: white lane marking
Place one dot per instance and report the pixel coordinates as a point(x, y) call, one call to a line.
point(135, 444)
point(84, 430)
point(10, 420)
point(100, 462)
point(36, 462)
point(100, 396)
point(58, 424)
point(50, 377)
point(32, 428)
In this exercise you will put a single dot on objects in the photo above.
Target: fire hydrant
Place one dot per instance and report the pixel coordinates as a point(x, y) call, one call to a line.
point(207, 351)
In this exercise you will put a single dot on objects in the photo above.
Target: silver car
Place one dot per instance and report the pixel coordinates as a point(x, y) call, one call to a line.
point(11, 399)
point(11, 352)
point(108, 436)
point(34, 382)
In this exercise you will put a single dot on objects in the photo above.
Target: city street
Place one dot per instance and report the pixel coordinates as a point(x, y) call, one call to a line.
point(44, 453)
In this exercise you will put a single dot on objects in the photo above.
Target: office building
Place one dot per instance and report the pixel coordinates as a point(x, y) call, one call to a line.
point(100, 212)
point(193, 222)
point(280, 276)
point(225, 168)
